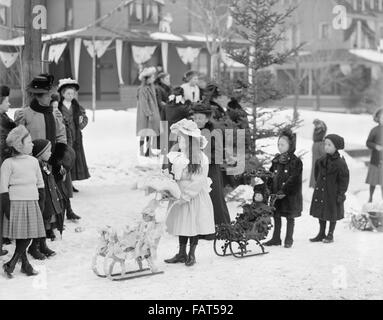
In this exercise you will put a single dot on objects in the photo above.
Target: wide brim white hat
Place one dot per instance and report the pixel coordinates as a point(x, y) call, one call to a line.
point(68, 82)
point(147, 72)
point(189, 128)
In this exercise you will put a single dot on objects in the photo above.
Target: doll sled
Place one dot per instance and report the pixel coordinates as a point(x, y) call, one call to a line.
point(251, 226)
point(137, 244)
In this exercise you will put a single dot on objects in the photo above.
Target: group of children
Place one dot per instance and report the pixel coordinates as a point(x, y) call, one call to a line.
point(43, 152)
point(195, 216)
point(30, 200)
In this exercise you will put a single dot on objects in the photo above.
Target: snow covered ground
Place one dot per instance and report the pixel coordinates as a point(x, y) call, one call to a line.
point(350, 268)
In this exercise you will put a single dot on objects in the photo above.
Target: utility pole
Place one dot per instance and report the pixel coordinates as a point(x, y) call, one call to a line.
point(32, 48)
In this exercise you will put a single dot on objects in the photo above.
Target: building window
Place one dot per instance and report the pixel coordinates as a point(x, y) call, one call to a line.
point(69, 14)
point(3, 15)
point(145, 12)
point(324, 31)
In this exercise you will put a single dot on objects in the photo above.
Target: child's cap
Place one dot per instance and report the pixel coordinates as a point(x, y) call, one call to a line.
point(291, 137)
point(338, 141)
point(40, 146)
point(16, 136)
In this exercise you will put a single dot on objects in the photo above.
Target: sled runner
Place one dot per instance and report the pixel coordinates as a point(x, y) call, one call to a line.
point(252, 225)
point(130, 275)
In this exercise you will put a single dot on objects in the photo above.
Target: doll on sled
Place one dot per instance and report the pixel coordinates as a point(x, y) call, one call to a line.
point(138, 243)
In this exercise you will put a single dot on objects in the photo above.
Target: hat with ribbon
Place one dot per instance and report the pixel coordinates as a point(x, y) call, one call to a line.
point(68, 82)
point(189, 128)
point(43, 83)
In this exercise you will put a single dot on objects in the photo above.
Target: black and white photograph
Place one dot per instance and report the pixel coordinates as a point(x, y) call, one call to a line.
point(191, 150)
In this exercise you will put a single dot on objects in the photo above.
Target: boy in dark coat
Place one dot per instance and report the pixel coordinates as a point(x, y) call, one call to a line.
point(52, 205)
point(287, 186)
point(332, 179)
point(62, 161)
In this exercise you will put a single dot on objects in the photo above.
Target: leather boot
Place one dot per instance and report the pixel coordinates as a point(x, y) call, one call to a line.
point(190, 261)
point(9, 267)
point(330, 236)
point(289, 232)
point(44, 248)
point(276, 239)
point(34, 250)
point(180, 257)
point(26, 267)
point(69, 212)
point(322, 232)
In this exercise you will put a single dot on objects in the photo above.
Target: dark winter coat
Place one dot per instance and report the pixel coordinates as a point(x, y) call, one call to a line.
point(162, 92)
point(53, 197)
point(287, 180)
point(332, 179)
point(6, 125)
point(375, 138)
point(221, 212)
point(74, 129)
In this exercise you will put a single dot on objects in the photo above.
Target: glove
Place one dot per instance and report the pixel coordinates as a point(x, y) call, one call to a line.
point(42, 199)
point(5, 205)
point(340, 199)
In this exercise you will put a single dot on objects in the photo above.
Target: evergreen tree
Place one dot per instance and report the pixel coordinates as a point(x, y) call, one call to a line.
point(262, 24)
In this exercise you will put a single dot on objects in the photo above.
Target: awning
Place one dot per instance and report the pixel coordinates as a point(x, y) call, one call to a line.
point(368, 54)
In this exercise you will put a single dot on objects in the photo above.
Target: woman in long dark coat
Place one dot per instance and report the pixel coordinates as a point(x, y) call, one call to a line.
point(76, 121)
point(148, 114)
point(6, 125)
point(201, 115)
point(287, 185)
point(375, 144)
point(318, 152)
point(332, 179)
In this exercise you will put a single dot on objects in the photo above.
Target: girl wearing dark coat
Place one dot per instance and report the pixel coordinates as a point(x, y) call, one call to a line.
point(201, 115)
point(51, 208)
point(318, 147)
point(6, 125)
point(287, 186)
point(332, 179)
point(375, 144)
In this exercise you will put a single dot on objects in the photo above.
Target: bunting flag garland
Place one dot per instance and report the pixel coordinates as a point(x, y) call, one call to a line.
point(99, 46)
point(189, 54)
point(8, 58)
point(56, 51)
point(142, 54)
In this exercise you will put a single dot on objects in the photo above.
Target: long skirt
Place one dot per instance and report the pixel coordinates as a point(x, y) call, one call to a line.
point(26, 221)
point(80, 168)
point(221, 212)
point(317, 152)
point(374, 176)
point(191, 218)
